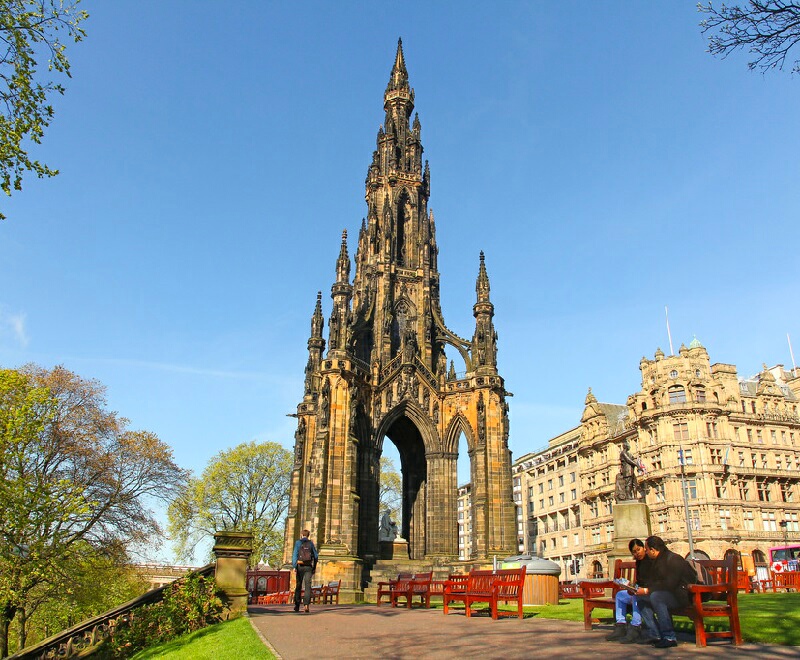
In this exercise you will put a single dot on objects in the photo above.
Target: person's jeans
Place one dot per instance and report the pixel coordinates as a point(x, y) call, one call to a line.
point(303, 582)
point(656, 619)
point(622, 600)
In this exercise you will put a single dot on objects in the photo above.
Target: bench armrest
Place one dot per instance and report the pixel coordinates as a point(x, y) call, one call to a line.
point(507, 583)
point(708, 588)
point(606, 584)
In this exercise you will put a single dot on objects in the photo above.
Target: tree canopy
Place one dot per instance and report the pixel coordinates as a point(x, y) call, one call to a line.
point(767, 29)
point(391, 489)
point(73, 480)
point(245, 488)
point(31, 34)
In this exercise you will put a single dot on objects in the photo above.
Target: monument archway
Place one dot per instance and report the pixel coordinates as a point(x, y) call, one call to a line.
point(384, 374)
point(406, 437)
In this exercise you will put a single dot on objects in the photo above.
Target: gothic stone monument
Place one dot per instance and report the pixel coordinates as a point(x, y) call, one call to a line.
point(385, 376)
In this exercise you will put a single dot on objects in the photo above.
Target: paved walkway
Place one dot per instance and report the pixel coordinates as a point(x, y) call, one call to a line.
point(366, 631)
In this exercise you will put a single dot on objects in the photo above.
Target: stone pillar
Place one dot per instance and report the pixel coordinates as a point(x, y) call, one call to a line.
point(233, 550)
point(631, 521)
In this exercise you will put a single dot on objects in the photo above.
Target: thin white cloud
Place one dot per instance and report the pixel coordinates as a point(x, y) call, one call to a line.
point(12, 325)
point(182, 369)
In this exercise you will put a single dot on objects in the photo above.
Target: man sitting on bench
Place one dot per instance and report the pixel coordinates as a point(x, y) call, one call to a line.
point(669, 575)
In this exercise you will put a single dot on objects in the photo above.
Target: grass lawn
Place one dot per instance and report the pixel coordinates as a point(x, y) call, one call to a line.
point(765, 618)
point(231, 640)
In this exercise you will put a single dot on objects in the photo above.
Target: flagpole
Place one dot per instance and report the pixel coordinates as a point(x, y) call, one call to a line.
point(669, 334)
point(686, 504)
point(791, 352)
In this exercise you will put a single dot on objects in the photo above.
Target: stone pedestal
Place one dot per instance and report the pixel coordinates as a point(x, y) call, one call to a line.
point(631, 521)
point(337, 563)
point(233, 550)
point(397, 549)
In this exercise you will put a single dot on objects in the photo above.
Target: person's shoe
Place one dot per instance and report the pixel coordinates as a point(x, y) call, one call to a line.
point(644, 638)
point(666, 643)
point(305, 609)
point(633, 636)
point(297, 607)
point(620, 630)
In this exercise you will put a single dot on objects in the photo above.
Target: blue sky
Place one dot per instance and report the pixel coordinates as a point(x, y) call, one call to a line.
point(211, 154)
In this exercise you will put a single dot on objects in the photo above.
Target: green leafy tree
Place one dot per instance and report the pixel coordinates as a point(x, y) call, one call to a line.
point(71, 594)
point(244, 489)
point(767, 29)
point(71, 475)
point(391, 489)
point(31, 33)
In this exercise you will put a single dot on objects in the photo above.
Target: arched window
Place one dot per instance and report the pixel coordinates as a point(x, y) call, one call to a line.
point(677, 394)
point(759, 557)
point(698, 554)
point(597, 569)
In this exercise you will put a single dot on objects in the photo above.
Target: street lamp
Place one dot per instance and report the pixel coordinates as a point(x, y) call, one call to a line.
point(785, 525)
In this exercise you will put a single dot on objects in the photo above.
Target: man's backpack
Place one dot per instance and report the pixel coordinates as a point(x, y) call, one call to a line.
point(702, 576)
point(304, 554)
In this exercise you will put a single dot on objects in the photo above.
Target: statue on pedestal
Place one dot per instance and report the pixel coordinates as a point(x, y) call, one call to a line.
point(388, 528)
point(626, 487)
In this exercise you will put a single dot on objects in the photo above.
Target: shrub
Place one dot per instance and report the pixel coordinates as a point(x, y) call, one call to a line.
point(188, 605)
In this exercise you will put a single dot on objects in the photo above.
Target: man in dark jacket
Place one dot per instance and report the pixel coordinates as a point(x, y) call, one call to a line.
point(669, 575)
point(304, 561)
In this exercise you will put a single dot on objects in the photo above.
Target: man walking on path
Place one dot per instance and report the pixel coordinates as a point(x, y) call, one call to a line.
point(304, 561)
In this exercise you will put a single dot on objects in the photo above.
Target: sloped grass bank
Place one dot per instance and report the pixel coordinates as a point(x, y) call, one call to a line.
point(230, 640)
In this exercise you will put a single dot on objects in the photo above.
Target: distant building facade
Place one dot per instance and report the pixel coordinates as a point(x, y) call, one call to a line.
point(739, 440)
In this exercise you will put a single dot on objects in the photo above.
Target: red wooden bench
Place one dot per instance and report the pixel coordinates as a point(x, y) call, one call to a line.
point(724, 590)
point(330, 592)
point(385, 588)
point(594, 592)
point(789, 581)
point(418, 585)
point(569, 590)
point(436, 588)
point(485, 586)
point(456, 586)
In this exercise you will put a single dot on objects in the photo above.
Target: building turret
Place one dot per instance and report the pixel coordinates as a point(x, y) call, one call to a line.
point(341, 292)
point(316, 345)
point(484, 341)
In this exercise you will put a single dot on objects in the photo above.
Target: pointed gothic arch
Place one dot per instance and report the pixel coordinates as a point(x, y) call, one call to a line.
point(458, 425)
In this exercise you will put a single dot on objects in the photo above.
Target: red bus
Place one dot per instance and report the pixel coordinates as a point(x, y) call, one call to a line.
point(784, 558)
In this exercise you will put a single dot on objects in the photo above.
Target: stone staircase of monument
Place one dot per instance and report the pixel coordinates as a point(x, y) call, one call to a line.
point(384, 570)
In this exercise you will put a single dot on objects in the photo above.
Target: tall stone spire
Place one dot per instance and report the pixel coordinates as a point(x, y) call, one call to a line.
point(398, 79)
point(385, 378)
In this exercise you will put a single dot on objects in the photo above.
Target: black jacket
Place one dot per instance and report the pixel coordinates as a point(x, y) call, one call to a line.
point(671, 572)
point(644, 568)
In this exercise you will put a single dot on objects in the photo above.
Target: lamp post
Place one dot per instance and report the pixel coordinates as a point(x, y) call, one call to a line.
point(785, 525)
point(686, 504)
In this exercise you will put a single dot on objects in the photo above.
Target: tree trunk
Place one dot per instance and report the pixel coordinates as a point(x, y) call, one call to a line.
point(23, 632)
point(3, 636)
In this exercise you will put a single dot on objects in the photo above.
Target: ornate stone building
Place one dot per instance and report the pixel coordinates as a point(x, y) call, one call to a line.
point(385, 374)
point(740, 443)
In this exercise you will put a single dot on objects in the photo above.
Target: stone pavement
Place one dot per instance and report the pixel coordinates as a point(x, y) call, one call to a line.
point(367, 631)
